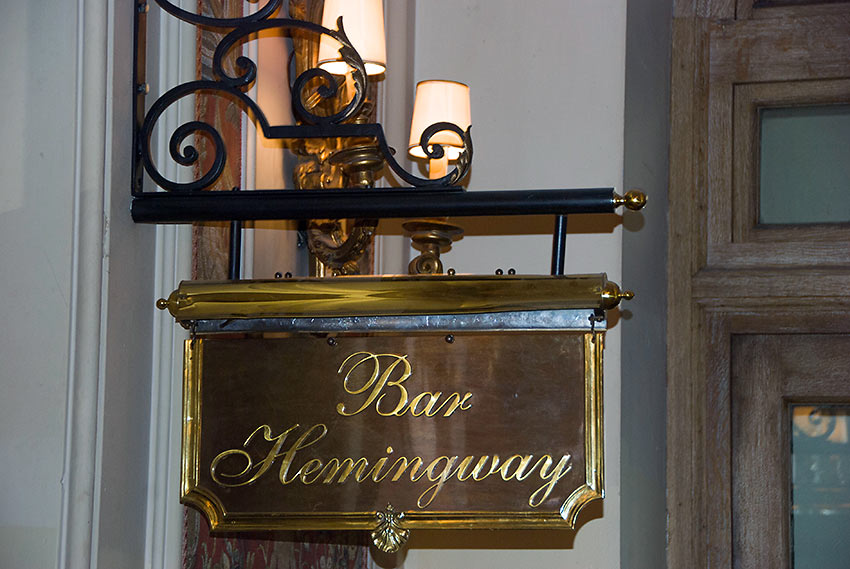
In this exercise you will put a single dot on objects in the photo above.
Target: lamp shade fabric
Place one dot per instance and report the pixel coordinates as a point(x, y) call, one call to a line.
point(363, 22)
point(440, 101)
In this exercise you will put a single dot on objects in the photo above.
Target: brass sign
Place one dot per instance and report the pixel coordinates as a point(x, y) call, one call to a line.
point(421, 430)
point(391, 403)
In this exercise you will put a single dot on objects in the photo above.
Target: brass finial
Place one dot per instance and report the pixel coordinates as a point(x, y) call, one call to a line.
point(162, 304)
point(633, 200)
point(612, 295)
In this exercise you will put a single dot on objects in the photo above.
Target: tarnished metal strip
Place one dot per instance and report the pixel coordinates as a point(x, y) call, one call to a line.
point(532, 320)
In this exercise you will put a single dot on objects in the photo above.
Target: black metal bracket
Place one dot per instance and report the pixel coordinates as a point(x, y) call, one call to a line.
point(179, 202)
point(186, 207)
point(234, 87)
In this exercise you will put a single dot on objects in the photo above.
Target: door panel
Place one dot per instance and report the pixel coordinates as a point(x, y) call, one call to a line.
point(757, 297)
point(774, 376)
point(820, 486)
point(804, 171)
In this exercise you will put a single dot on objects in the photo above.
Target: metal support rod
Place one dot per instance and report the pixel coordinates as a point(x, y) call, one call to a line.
point(185, 207)
point(234, 271)
point(559, 244)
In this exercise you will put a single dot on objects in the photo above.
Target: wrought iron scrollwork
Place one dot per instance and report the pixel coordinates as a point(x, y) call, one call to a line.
point(234, 86)
point(434, 150)
point(209, 22)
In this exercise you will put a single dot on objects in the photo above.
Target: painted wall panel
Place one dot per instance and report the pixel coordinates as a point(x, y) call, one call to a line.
point(36, 205)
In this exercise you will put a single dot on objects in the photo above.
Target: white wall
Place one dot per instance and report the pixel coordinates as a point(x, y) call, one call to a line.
point(547, 88)
point(36, 205)
point(643, 511)
point(75, 351)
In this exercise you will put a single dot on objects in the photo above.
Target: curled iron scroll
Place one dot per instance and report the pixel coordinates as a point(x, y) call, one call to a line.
point(235, 86)
point(454, 177)
point(209, 22)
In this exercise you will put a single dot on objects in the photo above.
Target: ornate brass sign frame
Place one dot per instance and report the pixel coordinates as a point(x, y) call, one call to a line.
point(244, 480)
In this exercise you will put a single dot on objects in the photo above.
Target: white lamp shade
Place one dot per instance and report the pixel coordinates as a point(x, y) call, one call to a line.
point(363, 21)
point(440, 101)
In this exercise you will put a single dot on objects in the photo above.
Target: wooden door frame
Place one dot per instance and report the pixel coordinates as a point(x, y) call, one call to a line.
point(716, 291)
point(699, 467)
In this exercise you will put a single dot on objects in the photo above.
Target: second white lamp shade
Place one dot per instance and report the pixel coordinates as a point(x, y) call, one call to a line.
point(363, 21)
point(440, 101)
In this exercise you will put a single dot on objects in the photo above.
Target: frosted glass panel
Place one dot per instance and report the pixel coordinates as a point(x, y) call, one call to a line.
point(820, 475)
point(805, 165)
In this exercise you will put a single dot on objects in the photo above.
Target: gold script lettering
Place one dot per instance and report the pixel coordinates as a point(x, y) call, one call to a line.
point(313, 435)
point(380, 383)
point(262, 467)
point(439, 471)
point(564, 466)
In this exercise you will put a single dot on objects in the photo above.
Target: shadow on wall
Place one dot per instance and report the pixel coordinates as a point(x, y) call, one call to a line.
point(523, 224)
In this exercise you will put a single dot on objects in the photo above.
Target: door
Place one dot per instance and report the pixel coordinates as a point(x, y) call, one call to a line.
point(758, 272)
point(790, 453)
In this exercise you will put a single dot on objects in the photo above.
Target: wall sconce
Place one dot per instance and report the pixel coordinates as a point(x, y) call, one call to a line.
point(436, 101)
point(439, 101)
point(337, 245)
point(364, 26)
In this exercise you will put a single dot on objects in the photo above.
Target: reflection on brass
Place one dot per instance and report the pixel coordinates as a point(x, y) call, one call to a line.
point(633, 200)
point(612, 295)
point(432, 237)
point(338, 249)
point(594, 475)
point(397, 295)
point(389, 536)
point(295, 433)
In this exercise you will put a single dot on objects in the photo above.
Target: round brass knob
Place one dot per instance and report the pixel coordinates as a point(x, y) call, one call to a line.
point(633, 200)
point(612, 295)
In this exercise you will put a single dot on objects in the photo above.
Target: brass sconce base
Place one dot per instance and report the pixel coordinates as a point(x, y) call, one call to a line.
point(337, 246)
point(432, 237)
point(359, 163)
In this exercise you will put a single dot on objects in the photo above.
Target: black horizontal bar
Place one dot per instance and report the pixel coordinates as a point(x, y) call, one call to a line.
point(186, 207)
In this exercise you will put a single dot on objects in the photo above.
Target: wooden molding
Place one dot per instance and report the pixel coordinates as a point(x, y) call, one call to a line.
point(756, 64)
point(749, 99)
point(727, 277)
